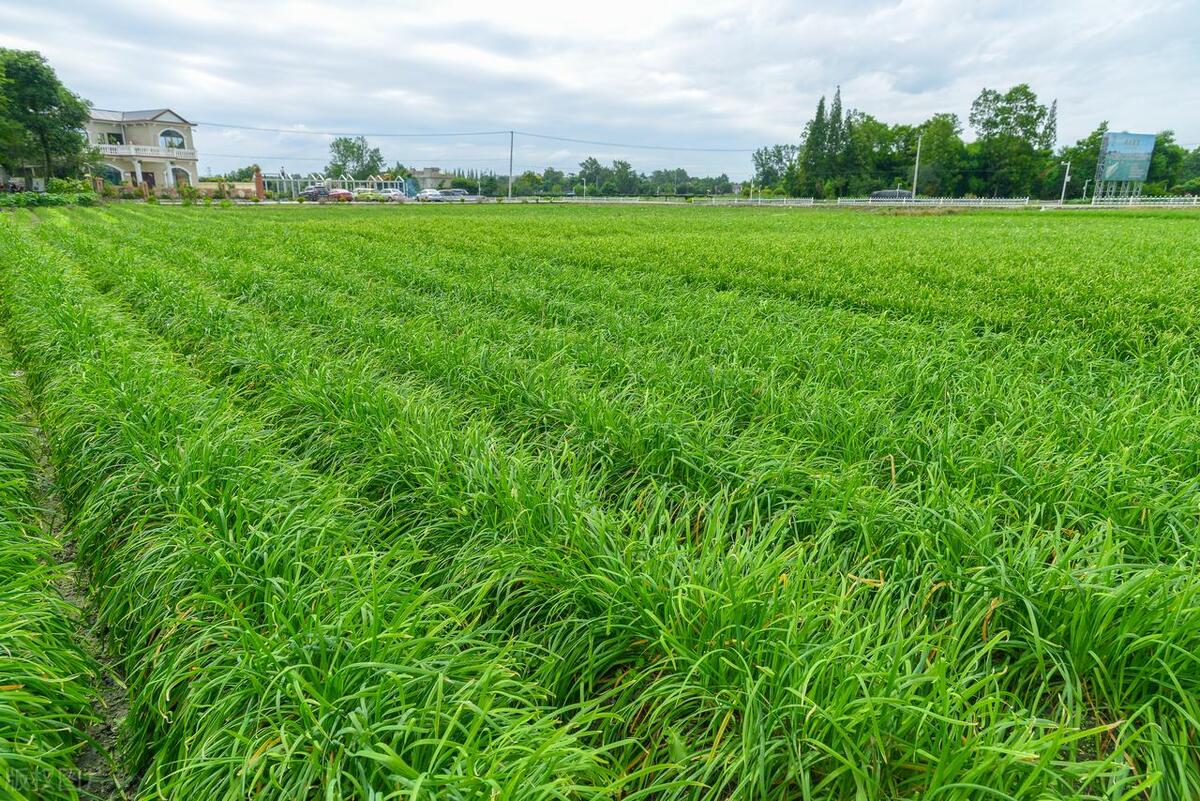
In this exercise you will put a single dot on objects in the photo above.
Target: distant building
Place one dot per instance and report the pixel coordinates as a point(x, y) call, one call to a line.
point(152, 147)
point(431, 178)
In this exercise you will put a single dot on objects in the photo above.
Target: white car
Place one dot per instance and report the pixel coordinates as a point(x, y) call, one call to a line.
point(393, 195)
point(430, 196)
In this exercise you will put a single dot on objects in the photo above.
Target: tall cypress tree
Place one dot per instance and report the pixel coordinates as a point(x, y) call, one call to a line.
point(835, 137)
point(834, 133)
point(812, 159)
point(1050, 128)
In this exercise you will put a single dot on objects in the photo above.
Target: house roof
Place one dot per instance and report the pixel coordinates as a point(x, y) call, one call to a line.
point(145, 115)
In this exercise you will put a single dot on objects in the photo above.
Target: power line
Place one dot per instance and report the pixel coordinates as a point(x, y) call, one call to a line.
point(440, 134)
point(206, 154)
point(349, 133)
point(638, 147)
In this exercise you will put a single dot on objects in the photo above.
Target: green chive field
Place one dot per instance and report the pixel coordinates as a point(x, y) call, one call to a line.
point(547, 502)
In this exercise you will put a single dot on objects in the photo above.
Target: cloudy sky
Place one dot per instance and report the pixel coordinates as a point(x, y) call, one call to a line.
point(719, 76)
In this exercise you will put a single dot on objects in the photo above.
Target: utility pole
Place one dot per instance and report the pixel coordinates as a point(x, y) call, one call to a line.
point(1066, 177)
point(917, 166)
point(511, 135)
point(1085, 186)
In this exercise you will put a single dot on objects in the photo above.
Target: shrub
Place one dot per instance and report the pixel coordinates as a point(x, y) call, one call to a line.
point(23, 200)
point(226, 203)
point(68, 186)
point(1191, 187)
point(152, 199)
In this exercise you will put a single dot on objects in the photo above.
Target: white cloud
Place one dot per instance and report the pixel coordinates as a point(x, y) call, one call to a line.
point(702, 74)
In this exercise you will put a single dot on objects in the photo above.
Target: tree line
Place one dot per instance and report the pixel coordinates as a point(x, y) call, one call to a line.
point(596, 179)
point(845, 152)
point(355, 157)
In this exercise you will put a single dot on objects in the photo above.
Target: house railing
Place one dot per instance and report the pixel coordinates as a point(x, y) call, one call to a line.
point(148, 151)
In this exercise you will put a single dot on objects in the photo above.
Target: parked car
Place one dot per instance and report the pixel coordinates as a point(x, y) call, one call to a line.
point(368, 195)
point(341, 195)
point(455, 195)
point(431, 196)
point(315, 192)
point(393, 195)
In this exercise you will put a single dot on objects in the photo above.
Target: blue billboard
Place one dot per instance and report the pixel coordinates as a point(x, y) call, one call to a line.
point(1124, 156)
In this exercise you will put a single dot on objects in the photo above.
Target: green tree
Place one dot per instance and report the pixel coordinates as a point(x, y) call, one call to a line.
point(240, 174)
point(1167, 163)
point(527, 183)
point(396, 172)
point(1015, 113)
point(669, 182)
point(12, 135)
point(354, 157)
point(835, 135)
point(40, 116)
point(1016, 134)
point(810, 174)
point(771, 164)
point(593, 173)
point(942, 154)
point(624, 178)
point(490, 185)
point(1191, 165)
point(553, 180)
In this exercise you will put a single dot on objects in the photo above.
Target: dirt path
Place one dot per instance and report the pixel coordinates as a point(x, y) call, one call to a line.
point(98, 776)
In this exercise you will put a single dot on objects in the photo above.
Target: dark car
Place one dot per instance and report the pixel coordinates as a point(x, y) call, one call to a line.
point(892, 194)
point(315, 193)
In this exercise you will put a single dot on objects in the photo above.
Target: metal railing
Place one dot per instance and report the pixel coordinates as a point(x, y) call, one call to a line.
point(673, 200)
point(292, 185)
point(993, 202)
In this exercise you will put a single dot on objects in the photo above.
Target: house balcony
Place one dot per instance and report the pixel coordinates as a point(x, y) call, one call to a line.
point(148, 152)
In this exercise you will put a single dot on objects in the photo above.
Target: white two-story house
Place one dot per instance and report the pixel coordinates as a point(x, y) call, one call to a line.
point(152, 147)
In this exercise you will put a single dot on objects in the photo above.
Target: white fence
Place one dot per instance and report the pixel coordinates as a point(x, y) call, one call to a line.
point(990, 202)
point(1168, 202)
point(675, 200)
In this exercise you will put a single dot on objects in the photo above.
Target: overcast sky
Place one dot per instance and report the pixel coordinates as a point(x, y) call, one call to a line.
point(671, 74)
